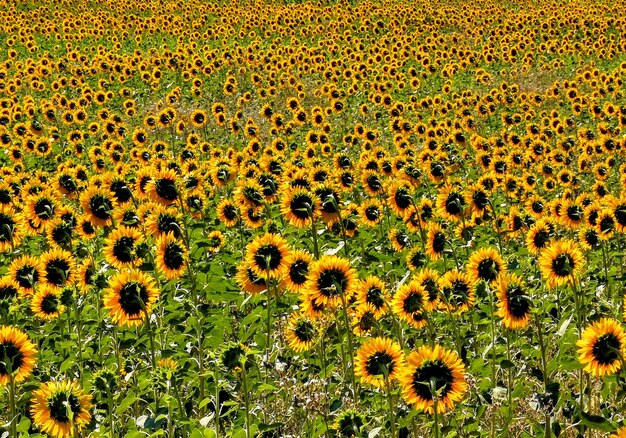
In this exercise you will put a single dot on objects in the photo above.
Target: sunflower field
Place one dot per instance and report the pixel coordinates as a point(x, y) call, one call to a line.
point(257, 218)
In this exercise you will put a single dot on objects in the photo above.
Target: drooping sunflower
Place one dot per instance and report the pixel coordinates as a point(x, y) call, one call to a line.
point(295, 277)
point(457, 291)
point(372, 291)
point(26, 271)
point(371, 212)
point(267, 256)
point(57, 267)
point(409, 304)
point(164, 220)
point(249, 281)
point(299, 206)
point(379, 360)
point(485, 264)
point(331, 279)
point(171, 256)
point(561, 262)
point(301, 332)
point(120, 247)
point(98, 204)
point(227, 213)
point(606, 224)
point(451, 203)
point(539, 236)
point(513, 304)
point(399, 239)
point(41, 207)
point(10, 228)
point(602, 347)
point(400, 198)
point(163, 187)
point(416, 259)
point(428, 279)
point(436, 241)
point(130, 297)
point(18, 355)
point(364, 319)
point(9, 289)
point(51, 406)
point(349, 424)
point(433, 368)
point(46, 303)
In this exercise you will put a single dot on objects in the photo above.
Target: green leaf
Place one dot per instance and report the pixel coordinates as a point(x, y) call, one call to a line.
point(24, 425)
point(125, 404)
point(506, 364)
point(597, 422)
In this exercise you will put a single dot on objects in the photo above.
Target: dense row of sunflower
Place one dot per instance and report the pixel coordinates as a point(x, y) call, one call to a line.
point(312, 220)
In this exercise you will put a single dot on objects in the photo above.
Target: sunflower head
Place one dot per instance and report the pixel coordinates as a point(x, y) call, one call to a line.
point(57, 407)
point(17, 355)
point(379, 360)
point(601, 347)
point(433, 372)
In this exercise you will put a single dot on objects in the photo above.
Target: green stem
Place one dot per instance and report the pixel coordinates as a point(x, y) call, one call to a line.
point(392, 419)
point(12, 407)
point(355, 390)
point(216, 377)
point(246, 398)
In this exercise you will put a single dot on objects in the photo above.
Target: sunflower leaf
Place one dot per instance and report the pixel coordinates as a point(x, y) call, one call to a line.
point(597, 422)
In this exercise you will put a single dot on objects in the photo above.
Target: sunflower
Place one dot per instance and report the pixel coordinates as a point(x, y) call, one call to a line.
point(400, 198)
point(120, 247)
point(436, 241)
point(130, 297)
point(371, 212)
point(215, 240)
point(364, 318)
point(164, 220)
point(409, 304)
point(349, 424)
point(513, 303)
point(433, 368)
point(301, 332)
point(539, 236)
point(606, 224)
point(46, 303)
point(399, 240)
point(57, 268)
point(299, 206)
point(51, 406)
point(451, 203)
point(295, 277)
point(227, 213)
point(428, 279)
point(372, 291)
point(9, 289)
point(601, 347)
point(162, 187)
point(416, 259)
point(26, 271)
point(561, 262)
point(98, 204)
point(10, 228)
point(457, 291)
point(249, 281)
point(171, 256)
point(589, 238)
point(331, 278)
point(40, 207)
point(485, 264)
point(17, 355)
point(379, 360)
point(266, 255)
